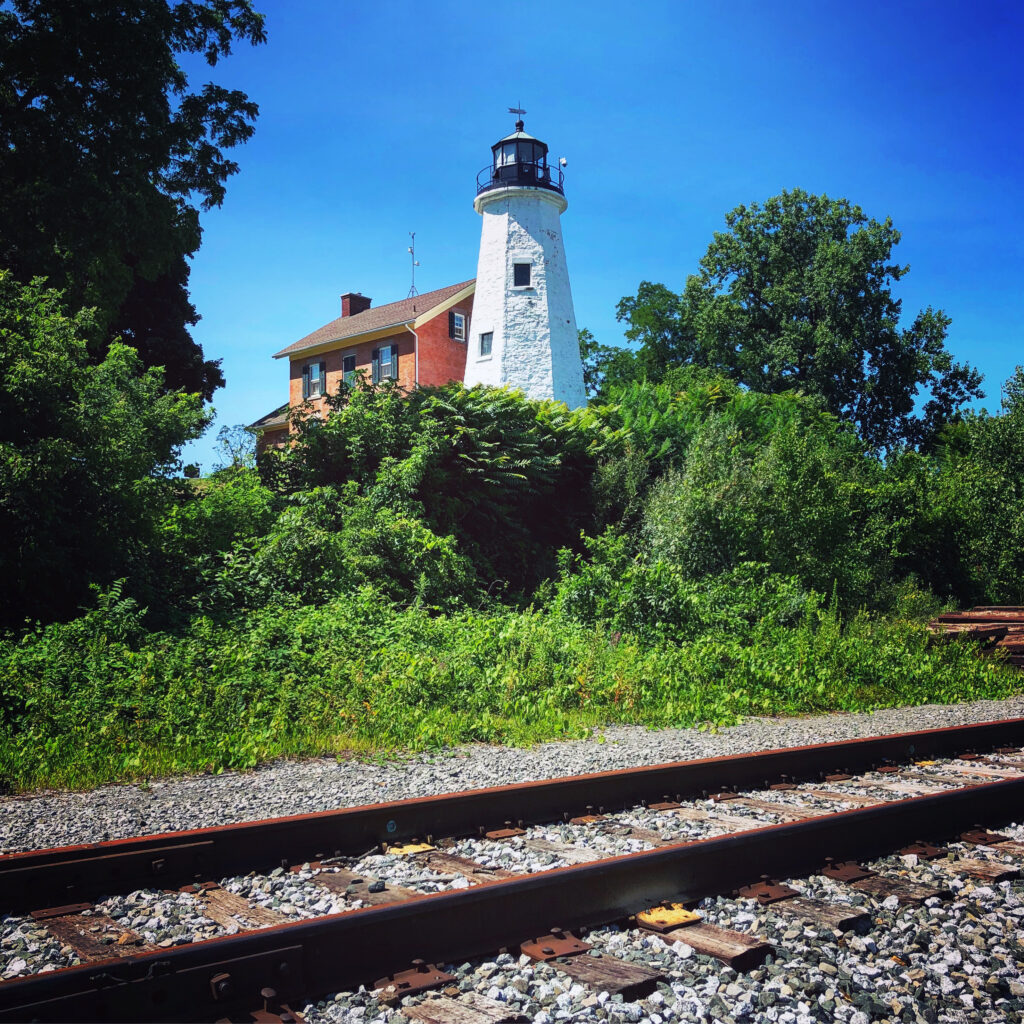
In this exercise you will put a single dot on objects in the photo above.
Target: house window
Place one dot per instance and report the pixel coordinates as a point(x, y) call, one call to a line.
point(521, 275)
point(385, 363)
point(314, 380)
point(348, 369)
point(485, 344)
point(456, 326)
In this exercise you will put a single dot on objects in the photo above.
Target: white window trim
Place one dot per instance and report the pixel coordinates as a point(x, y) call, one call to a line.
point(457, 336)
point(320, 381)
point(521, 261)
point(379, 363)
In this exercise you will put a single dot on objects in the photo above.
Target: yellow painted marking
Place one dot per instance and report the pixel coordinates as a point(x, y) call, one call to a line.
point(408, 848)
point(675, 915)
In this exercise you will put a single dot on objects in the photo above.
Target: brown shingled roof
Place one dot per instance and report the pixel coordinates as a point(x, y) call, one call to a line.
point(394, 313)
point(277, 418)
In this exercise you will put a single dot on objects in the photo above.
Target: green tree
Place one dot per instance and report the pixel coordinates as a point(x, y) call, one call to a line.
point(969, 542)
point(105, 149)
point(796, 294)
point(655, 321)
point(606, 366)
point(87, 455)
point(236, 449)
point(202, 527)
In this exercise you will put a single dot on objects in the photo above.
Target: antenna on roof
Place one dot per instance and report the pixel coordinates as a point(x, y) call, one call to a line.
point(415, 263)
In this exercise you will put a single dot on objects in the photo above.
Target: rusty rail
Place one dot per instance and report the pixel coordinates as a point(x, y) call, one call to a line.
point(223, 977)
point(78, 872)
point(74, 874)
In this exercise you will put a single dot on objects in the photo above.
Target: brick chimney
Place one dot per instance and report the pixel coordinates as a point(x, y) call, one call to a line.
point(353, 303)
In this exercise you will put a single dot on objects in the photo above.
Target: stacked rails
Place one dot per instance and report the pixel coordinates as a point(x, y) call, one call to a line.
point(995, 627)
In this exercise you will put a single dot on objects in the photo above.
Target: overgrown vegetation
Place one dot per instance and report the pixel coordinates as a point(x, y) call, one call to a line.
point(103, 698)
point(466, 565)
point(797, 294)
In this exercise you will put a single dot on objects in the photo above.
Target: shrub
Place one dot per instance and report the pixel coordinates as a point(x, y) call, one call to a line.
point(483, 465)
point(325, 543)
point(797, 493)
point(87, 451)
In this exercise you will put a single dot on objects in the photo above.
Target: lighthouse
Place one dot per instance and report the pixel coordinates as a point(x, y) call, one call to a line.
point(524, 328)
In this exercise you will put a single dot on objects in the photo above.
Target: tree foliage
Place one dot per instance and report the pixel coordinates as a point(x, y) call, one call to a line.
point(104, 150)
point(796, 294)
point(800, 497)
point(86, 454)
point(605, 365)
point(971, 502)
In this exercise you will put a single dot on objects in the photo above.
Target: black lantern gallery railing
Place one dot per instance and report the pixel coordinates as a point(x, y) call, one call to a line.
point(520, 173)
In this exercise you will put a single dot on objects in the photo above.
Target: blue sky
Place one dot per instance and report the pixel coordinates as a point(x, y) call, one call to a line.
point(375, 118)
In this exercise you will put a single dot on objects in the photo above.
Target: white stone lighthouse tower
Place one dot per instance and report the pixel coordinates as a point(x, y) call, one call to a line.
point(524, 329)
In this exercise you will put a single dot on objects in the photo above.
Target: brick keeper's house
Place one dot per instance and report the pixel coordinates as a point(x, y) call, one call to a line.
point(419, 340)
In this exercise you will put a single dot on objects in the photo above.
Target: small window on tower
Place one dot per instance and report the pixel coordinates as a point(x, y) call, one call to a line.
point(485, 344)
point(521, 275)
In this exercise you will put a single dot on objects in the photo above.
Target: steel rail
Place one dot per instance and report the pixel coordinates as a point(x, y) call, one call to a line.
point(223, 977)
point(70, 874)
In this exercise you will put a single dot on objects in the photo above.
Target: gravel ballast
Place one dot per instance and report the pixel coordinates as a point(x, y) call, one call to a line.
point(302, 787)
point(955, 961)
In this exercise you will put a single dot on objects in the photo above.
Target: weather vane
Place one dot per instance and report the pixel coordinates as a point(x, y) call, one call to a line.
point(415, 263)
point(518, 111)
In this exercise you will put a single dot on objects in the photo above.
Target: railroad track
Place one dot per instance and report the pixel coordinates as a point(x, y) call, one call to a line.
point(383, 895)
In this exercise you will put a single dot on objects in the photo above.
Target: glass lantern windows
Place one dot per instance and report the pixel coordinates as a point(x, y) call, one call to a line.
point(508, 154)
point(519, 160)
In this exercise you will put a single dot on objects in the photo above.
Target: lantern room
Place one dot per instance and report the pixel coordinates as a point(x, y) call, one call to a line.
point(519, 161)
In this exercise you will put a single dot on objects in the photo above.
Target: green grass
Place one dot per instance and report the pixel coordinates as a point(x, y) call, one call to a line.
point(101, 700)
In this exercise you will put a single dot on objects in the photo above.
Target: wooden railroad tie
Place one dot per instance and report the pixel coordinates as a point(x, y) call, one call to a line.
point(735, 949)
point(370, 891)
point(607, 973)
point(882, 887)
point(597, 970)
point(467, 1008)
point(86, 935)
point(230, 910)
